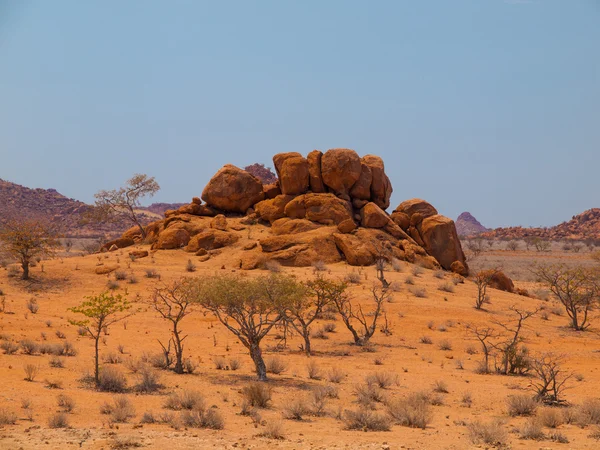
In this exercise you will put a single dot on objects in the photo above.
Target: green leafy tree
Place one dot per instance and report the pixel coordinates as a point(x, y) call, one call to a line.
point(101, 311)
point(123, 203)
point(248, 308)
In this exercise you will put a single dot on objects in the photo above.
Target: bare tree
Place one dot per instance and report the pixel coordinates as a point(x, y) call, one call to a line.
point(578, 289)
point(550, 378)
point(122, 203)
point(173, 303)
point(482, 279)
point(27, 239)
point(483, 335)
point(513, 356)
point(353, 314)
point(248, 308)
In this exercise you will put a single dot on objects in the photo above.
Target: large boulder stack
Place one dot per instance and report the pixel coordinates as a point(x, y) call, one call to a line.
point(328, 206)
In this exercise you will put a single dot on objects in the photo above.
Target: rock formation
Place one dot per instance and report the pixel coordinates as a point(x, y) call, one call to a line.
point(467, 225)
point(326, 207)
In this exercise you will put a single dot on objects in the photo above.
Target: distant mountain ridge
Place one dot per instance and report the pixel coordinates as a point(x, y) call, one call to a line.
point(20, 202)
point(467, 225)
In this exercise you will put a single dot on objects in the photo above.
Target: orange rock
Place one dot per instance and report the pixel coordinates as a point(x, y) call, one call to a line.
point(414, 205)
point(372, 216)
point(322, 208)
point(233, 189)
point(381, 186)
point(362, 188)
point(441, 240)
point(314, 172)
point(340, 169)
point(271, 210)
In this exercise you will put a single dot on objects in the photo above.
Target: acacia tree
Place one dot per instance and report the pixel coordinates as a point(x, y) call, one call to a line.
point(513, 356)
point(367, 322)
point(173, 303)
point(102, 311)
point(249, 308)
point(304, 309)
point(122, 203)
point(482, 279)
point(483, 335)
point(550, 378)
point(577, 289)
point(26, 240)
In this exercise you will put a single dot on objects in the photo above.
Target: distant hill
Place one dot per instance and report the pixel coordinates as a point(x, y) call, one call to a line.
point(21, 202)
point(467, 225)
point(582, 226)
point(264, 174)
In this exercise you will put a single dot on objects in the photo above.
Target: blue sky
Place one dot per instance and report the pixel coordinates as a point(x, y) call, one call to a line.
point(490, 106)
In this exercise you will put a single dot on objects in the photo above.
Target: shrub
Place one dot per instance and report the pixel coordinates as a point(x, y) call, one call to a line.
point(219, 362)
point(441, 387)
point(367, 394)
point(111, 379)
point(234, 363)
point(275, 365)
point(112, 285)
point(558, 437)
point(329, 327)
point(57, 362)
point(272, 266)
point(366, 420)
point(352, 277)
point(336, 375)
point(319, 266)
point(532, 430)
point(64, 349)
point(295, 409)
point(425, 340)
point(152, 273)
point(29, 347)
point(120, 275)
point(467, 399)
point(413, 411)
point(409, 280)
point(120, 411)
point(60, 334)
point(589, 412)
point(446, 287)
point(314, 372)
point(257, 394)
point(148, 418)
point(185, 400)
point(58, 420)
point(273, 430)
point(440, 274)
point(66, 403)
point(112, 358)
point(31, 371)
point(7, 417)
point(550, 417)
point(445, 345)
point(149, 380)
point(9, 347)
point(32, 306)
point(382, 379)
point(396, 265)
point(416, 270)
point(53, 384)
point(190, 366)
point(490, 433)
point(521, 405)
point(190, 266)
point(132, 279)
point(203, 418)
point(418, 292)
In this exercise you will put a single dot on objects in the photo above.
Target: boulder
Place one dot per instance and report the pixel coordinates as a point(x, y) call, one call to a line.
point(137, 254)
point(113, 248)
point(293, 176)
point(401, 219)
point(441, 240)
point(121, 242)
point(105, 269)
point(211, 239)
point(196, 200)
point(193, 208)
point(219, 223)
point(271, 210)
point(314, 172)
point(362, 247)
point(291, 226)
point(358, 203)
point(322, 208)
point(340, 169)
point(416, 219)
point(271, 190)
point(346, 226)
point(372, 216)
point(502, 282)
point(279, 158)
point(362, 188)
point(302, 249)
point(233, 189)
point(171, 238)
point(459, 268)
point(381, 186)
point(409, 207)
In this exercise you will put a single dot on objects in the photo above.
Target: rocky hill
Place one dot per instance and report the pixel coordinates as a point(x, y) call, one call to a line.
point(582, 226)
point(20, 202)
point(326, 207)
point(264, 174)
point(467, 225)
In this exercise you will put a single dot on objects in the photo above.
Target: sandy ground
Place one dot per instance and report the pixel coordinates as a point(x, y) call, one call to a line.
point(440, 316)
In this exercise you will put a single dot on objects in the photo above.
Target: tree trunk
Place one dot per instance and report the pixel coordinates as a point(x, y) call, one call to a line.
point(96, 367)
point(261, 368)
point(25, 266)
point(178, 351)
point(306, 335)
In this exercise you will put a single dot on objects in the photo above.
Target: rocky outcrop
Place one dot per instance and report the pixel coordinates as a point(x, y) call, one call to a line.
point(264, 174)
point(232, 190)
point(340, 168)
point(467, 225)
point(326, 209)
point(441, 240)
point(416, 205)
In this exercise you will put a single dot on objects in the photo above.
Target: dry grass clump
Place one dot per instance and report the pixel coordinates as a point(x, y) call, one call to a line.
point(120, 411)
point(588, 413)
point(418, 292)
point(441, 387)
point(149, 380)
point(57, 362)
point(366, 420)
point(273, 430)
point(336, 375)
point(111, 379)
point(31, 371)
point(275, 365)
point(7, 417)
point(352, 277)
point(66, 403)
point(29, 347)
point(446, 287)
point(490, 433)
point(257, 394)
point(313, 370)
point(272, 266)
point(521, 405)
point(383, 379)
point(319, 266)
point(9, 347)
point(532, 430)
point(58, 420)
point(413, 411)
point(445, 345)
point(367, 394)
point(295, 409)
point(201, 417)
point(184, 400)
point(551, 417)
point(112, 358)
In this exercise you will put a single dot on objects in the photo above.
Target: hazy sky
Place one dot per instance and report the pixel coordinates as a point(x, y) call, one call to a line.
point(487, 106)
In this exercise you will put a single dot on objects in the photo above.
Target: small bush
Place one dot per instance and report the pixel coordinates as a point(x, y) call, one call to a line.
point(112, 285)
point(366, 420)
point(58, 420)
point(203, 418)
point(418, 292)
point(368, 394)
point(234, 363)
point(409, 280)
point(382, 379)
point(521, 405)
point(60, 334)
point(32, 306)
point(532, 430)
point(319, 266)
point(445, 345)
point(7, 417)
point(295, 409)
point(64, 349)
point(272, 266)
point(152, 273)
point(53, 384)
point(413, 411)
point(336, 375)
point(589, 412)
point(352, 277)
point(396, 265)
point(120, 275)
point(257, 394)
point(132, 279)
point(31, 371)
point(149, 380)
point(29, 347)
point(185, 400)
point(313, 370)
point(467, 399)
point(273, 430)
point(558, 437)
point(275, 365)
point(9, 347)
point(416, 270)
point(491, 433)
point(441, 387)
point(425, 340)
point(148, 418)
point(57, 362)
point(120, 411)
point(446, 287)
point(66, 403)
point(190, 366)
point(112, 358)
point(551, 417)
point(219, 362)
point(111, 379)
point(190, 266)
